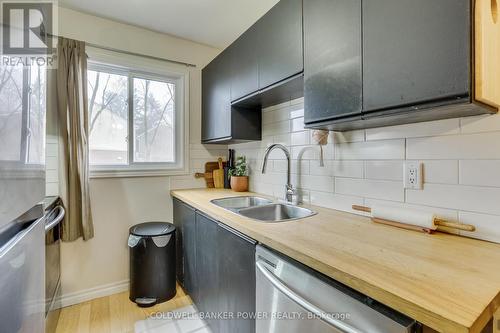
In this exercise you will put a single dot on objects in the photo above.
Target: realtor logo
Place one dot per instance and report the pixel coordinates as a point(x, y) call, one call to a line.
point(28, 30)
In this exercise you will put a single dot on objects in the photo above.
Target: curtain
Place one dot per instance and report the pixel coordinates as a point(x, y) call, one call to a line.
point(73, 131)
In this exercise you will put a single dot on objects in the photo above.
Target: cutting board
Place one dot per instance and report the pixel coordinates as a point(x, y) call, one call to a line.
point(219, 174)
point(208, 175)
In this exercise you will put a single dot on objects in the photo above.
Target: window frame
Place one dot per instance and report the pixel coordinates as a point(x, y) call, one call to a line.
point(143, 68)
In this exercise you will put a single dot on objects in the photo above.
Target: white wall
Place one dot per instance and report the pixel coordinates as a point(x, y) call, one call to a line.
point(100, 265)
point(461, 166)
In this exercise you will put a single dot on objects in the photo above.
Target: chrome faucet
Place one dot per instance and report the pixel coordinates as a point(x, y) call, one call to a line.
point(290, 192)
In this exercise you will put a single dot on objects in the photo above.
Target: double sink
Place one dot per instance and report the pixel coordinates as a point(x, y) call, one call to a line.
point(263, 210)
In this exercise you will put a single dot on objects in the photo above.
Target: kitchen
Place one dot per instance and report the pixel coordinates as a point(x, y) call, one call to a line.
point(347, 112)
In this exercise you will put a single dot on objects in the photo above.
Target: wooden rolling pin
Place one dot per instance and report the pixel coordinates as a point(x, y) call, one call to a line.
point(410, 219)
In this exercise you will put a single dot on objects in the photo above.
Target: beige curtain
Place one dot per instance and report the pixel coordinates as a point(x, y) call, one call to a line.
point(73, 128)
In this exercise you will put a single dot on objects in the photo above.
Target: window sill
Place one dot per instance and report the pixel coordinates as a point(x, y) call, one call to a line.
point(131, 173)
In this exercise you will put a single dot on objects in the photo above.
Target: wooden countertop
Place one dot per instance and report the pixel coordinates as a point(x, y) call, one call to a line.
point(448, 283)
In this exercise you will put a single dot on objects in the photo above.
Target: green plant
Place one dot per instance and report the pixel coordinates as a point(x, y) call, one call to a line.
point(240, 167)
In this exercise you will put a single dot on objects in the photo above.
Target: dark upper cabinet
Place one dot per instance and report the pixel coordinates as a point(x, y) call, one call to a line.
point(236, 258)
point(207, 269)
point(222, 122)
point(216, 101)
point(377, 63)
point(280, 43)
point(244, 64)
point(332, 59)
point(415, 51)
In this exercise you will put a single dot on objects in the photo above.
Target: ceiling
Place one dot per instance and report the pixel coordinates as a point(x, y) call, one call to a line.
point(212, 22)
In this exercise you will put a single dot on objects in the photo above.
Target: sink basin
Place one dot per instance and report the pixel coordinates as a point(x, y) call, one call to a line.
point(276, 212)
point(237, 203)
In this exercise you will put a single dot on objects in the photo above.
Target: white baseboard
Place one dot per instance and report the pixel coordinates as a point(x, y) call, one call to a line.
point(91, 293)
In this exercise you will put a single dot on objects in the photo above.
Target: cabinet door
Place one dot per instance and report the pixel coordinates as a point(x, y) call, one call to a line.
point(188, 222)
point(244, 64)
point(207, 267)
point(216, 98)
point(236, 255)
point(280, 42)
point(182, 212)
point(414, 51)
point(332, 59)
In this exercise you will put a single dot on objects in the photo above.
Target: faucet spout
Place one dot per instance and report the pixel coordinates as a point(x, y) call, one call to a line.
point(289, 188)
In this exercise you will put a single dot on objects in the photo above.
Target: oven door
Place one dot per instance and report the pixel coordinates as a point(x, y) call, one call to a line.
point(52, 266)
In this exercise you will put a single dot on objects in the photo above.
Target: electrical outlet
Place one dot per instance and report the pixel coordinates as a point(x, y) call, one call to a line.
point(413, 175)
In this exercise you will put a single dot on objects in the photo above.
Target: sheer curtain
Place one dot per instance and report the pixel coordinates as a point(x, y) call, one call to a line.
point(73, 130)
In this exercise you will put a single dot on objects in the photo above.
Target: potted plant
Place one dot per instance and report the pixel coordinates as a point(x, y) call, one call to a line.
point(239, 175)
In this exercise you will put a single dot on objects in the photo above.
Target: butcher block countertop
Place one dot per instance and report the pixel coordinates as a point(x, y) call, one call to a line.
point(446, 282)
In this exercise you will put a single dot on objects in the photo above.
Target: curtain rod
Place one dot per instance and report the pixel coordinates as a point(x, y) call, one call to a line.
point(139, 55)
point(107, 48)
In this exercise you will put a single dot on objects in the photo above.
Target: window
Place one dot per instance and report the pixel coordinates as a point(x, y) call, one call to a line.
point(137, 122)
point(22, 115)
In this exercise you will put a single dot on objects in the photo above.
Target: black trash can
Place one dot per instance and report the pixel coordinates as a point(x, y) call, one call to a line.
point(152, 263)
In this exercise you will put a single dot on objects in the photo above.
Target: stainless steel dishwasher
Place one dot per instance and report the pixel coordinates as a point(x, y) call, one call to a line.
point(293, 298)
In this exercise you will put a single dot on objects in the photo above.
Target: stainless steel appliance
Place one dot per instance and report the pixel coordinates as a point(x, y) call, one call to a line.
point(22, 189)
point(54, 215)
point(293, 298)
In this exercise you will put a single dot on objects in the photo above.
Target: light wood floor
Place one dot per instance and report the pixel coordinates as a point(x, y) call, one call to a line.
point(112, 314)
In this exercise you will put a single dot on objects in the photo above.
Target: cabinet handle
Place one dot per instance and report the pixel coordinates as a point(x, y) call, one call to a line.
point(237, 233)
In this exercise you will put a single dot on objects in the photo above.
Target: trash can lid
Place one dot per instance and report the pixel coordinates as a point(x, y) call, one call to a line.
point(150, 229)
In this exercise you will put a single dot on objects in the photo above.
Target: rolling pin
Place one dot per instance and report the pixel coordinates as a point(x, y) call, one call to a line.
point(410, 219)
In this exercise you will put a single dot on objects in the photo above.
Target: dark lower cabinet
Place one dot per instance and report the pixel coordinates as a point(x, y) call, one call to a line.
point(219, 270)
point(184, 221)
point(207, 270)
point(236, 256)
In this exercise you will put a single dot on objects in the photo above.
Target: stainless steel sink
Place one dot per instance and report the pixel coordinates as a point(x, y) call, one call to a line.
point(237, 203)
point(276, 212)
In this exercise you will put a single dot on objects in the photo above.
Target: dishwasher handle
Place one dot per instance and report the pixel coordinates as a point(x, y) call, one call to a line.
point(338, 324)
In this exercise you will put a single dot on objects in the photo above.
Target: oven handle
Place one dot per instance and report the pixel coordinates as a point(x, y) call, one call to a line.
point(57, 219)
point(341, 326)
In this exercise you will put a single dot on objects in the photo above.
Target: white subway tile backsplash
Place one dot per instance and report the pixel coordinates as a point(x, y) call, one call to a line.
point(300, 138)
point(296, 111)
point(312, 152)
point(440, 172)
point(51, 150)
point(377, 189)
point(335, 201)
point(276, 128)
point(316, 183)
point(384, 170)
point(487, 226)
point(480, 172)
point(469, 146)
point(487, 123)
point(343, 137)
point(465, 198)
point(439, 127)
point(298, 167)
point(350, 169)
point(297, 124)
point(373, 150)
point(461, 159)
